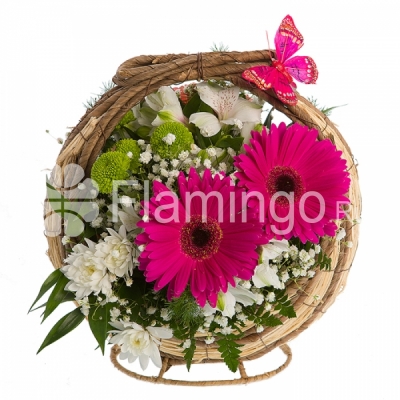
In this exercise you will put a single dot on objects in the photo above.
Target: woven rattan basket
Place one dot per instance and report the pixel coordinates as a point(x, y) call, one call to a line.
point(143, 75)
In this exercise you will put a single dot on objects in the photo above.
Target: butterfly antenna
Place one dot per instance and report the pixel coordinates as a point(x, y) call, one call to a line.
point(269, 46)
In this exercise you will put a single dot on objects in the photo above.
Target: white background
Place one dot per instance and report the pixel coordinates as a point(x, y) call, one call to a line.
point(55, 54)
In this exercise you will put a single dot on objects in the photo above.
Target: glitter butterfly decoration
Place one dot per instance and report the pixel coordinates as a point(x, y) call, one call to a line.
point(279, 76)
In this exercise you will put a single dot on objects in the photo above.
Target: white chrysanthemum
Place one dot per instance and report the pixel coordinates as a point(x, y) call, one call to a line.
point(87, 272)
point(136, 341)
point(116, 252)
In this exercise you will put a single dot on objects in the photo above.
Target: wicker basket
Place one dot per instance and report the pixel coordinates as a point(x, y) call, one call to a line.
point(143, 75)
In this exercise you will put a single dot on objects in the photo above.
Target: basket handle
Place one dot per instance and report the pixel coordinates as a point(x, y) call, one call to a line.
point(166, 365)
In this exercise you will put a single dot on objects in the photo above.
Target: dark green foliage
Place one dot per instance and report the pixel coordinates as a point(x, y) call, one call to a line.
point(47, 284)
point(185, 311)
point(283, 304)
point(65, 325)
point(230, 351)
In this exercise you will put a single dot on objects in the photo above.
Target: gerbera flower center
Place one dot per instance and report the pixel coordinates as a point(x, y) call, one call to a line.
point(200, 240)
point(285, 179)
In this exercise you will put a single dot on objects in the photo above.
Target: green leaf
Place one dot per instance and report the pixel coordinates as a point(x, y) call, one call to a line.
point(142, 132)
point(47, 284)
point(229, 141)
point(57, 296)
point(99, 318)
point(230, 351)
point(324, 261)
point(205, 108)
point(189, 353)
point(270, 320)
point(200, 139)
point(285, 307)
point(70, 297)
point(192, 106)
point(268, 120)
point(65, 325)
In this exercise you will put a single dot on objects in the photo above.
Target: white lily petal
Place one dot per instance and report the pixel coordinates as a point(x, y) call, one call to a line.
point(170, 113)
point(154, 101)
point(206, 122)
point(246, 111)
point(222, 101)
point(146, 116)
point(242, 295)
point(168, 96)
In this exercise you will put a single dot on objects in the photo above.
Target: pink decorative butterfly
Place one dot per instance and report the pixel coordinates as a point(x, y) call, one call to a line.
point(279, 76)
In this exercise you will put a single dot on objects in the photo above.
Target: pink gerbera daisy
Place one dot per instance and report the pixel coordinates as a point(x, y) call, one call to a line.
point(303, 181)
point(204, 243)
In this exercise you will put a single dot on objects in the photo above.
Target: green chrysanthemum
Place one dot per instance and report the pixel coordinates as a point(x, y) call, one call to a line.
point(132, 150)
point(109, 167)
point(171, 138)
point(128, 117)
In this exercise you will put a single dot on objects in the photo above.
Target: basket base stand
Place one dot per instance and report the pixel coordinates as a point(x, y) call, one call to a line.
point(166, 365)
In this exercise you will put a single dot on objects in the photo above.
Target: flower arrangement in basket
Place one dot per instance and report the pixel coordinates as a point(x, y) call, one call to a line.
point(187, 227)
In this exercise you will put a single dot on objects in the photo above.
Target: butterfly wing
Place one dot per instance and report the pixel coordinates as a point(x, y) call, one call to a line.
point(288, 40)
point(302, 69)
point(284, 91)
point(263, 76)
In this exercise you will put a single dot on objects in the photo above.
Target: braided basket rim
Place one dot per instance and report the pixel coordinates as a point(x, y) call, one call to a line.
point(142, 75)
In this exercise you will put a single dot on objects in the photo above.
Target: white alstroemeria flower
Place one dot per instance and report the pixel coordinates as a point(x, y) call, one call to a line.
point(87, 272)
point(116, 252)
point(166, 103)
point(136, 341)
point(264, 275)
point(242, 295)
point(227, 301)
point(230, 108)
point(274, 248)
point(144, 115)
point(129, 217)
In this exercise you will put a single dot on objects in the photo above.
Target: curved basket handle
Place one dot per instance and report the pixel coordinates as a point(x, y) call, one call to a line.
point(244, 378)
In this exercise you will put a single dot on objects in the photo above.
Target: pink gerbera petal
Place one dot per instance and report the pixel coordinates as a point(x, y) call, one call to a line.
point(291, 161)
point(200, 251)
